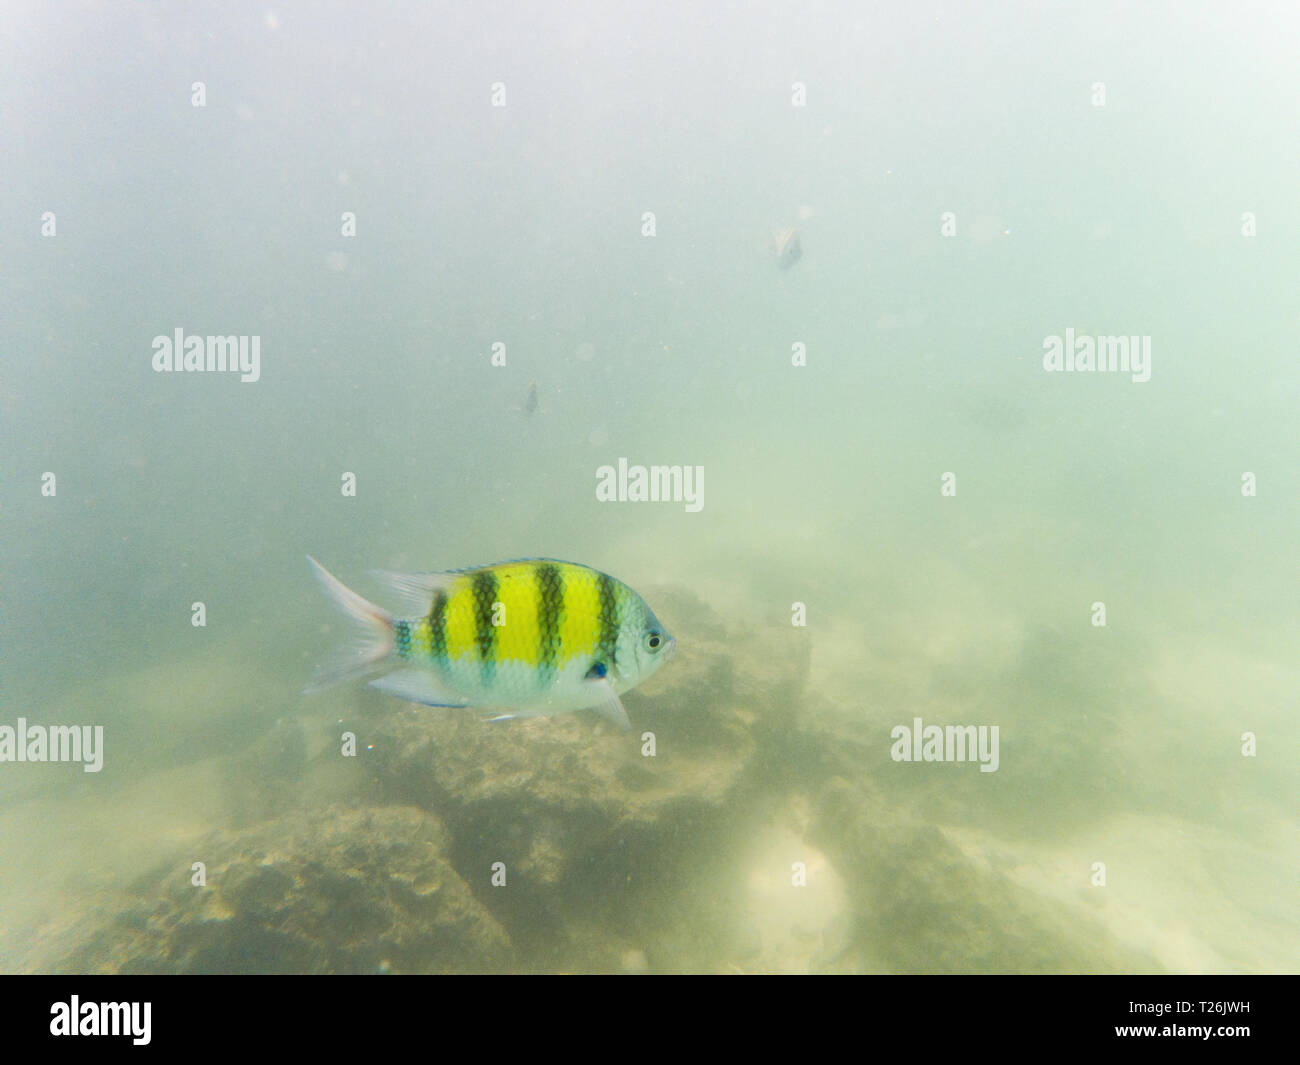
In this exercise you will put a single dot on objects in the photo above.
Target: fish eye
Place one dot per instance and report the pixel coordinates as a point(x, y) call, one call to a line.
point(653, 641)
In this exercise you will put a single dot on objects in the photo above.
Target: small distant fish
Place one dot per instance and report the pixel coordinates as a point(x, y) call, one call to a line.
point(785, 243)
point(526, 638)
point(530, 404)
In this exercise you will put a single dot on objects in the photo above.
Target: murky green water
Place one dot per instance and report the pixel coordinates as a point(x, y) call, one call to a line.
point(903, 513)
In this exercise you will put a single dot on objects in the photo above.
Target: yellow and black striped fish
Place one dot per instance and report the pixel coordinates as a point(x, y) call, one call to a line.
point(531, 637)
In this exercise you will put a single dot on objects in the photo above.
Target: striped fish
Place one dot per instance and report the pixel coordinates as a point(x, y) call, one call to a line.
point(528, 638)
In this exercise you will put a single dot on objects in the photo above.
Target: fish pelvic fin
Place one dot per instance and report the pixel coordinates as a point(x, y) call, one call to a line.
point(609, 705)
point(372, 642)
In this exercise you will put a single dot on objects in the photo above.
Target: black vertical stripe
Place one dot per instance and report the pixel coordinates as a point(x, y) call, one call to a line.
point(609, 622)
point(485, 633)
point(438, 629)
point(550, 609)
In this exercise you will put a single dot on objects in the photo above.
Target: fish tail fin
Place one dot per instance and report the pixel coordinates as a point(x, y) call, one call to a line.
point(372, 644)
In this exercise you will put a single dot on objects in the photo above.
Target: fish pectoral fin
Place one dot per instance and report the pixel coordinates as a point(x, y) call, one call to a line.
point(417, 686)
point(608, 704)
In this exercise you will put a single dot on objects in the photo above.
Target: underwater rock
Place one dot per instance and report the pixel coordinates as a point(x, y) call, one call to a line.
point(1063, 701)
point(338, 890)
point(924, 904)
point(579, 812)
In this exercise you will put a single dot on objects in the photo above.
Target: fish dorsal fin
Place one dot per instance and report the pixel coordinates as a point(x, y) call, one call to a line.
point(415, 590)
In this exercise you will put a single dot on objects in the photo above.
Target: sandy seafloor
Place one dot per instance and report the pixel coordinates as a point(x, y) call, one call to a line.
point(906, 868)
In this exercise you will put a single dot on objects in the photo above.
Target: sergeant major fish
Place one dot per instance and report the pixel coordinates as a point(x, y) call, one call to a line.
point(529, 638)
